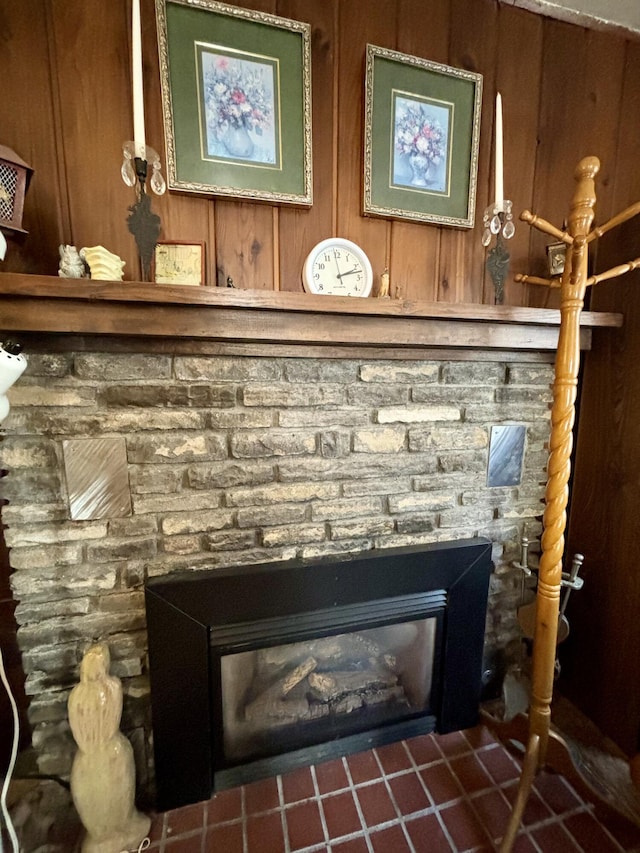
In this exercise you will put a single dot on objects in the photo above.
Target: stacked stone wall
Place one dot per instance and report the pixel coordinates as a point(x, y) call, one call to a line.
point(238, 460)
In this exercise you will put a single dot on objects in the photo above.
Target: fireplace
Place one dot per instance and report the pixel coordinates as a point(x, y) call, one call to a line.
point(259, 669)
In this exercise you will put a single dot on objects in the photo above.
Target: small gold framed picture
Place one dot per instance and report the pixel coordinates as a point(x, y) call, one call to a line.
point(176, 262)
point(556, 255)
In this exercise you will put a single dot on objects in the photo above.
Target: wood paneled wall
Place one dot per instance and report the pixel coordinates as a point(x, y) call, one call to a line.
point(67, 109)
point(601, 658)
point(601, 661)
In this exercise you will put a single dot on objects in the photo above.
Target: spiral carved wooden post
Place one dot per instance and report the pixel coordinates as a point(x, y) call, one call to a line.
point(572, 291)
point(573, 287)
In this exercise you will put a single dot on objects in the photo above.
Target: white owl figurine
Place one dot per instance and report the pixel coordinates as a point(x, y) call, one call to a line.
point(71, 264)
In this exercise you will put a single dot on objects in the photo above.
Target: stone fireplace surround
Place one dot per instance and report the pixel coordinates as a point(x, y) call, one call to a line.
point(240, 454)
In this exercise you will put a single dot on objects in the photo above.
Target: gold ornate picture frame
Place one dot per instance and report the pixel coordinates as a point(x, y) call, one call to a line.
point(236, 95)
point(422, 131)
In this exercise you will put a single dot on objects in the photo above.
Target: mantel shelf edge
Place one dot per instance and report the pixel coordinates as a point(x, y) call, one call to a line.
point(48, 305)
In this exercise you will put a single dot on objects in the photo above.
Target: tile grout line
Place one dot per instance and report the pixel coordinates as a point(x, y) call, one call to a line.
point(469, 796)
point(530, 838)
point(205, 823)
point(318, 799)
point(499, 788)
point(392, 795)
point(555, 818)
point(583, 808)
point(283, 818)
point(243, 815)
point(569, 835)
point(586, 807)
point(352, 788)
point(163, 834)
point(439, 807)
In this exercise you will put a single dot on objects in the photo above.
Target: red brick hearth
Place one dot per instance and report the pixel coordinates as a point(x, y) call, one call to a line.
point(430, 794)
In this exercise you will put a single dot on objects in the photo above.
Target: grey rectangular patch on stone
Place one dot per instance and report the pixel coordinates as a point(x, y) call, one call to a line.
point(506, 454)
point(97, 478)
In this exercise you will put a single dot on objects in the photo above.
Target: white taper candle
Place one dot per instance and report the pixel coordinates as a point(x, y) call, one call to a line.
point(138, 98)
point(499, 176)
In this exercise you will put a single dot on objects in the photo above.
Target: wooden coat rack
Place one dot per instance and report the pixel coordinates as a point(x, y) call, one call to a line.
point(572, 284)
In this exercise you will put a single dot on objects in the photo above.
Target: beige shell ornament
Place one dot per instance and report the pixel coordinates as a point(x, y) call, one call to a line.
point(103, 264)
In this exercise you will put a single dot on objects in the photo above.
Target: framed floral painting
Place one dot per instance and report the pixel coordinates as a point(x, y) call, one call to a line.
point(422, 130)
point(236, 95)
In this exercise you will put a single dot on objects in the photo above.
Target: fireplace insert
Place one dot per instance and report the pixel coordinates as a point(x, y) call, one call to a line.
point(259, 669)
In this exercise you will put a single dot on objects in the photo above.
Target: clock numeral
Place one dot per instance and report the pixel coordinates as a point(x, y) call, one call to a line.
point(327, 257)
point(320, 266)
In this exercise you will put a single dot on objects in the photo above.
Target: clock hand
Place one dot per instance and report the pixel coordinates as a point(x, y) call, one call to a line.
point(335, 258)
point(350, 272)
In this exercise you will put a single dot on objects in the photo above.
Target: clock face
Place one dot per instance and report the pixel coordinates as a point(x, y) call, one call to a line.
point(337, 267)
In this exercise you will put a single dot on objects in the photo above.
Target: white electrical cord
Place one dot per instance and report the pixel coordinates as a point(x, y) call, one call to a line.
point(12, 365)
point(14, 754)
point(143, 846)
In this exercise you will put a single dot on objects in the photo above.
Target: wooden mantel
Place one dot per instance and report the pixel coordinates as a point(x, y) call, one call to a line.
point(44, 304)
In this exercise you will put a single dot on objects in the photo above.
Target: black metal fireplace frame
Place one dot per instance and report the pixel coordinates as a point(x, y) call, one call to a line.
point(194, 618)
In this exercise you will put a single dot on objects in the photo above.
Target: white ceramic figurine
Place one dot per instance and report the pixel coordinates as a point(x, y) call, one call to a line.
point(71, 264)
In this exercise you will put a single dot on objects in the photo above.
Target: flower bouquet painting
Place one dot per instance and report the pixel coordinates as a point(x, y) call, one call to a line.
point(421, 135)
point(421, 132)
point(236, 101)
point(240, 108)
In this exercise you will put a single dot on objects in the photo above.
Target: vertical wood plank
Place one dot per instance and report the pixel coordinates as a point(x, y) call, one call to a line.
point(603, 526)
point(360, 22)
point(603, 87)
point(575, 121)
point(184, 217)
point(244, 243)
point(415, 248)
point(606, 492)
point(473, 47)
point(30, 132)
point(519, 59)
point(301, 229)
point(29, 125)
point(561, 139)
point(92, 57)
point(626, 175)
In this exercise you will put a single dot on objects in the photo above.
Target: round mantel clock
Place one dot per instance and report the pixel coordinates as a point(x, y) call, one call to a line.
point(337, 267)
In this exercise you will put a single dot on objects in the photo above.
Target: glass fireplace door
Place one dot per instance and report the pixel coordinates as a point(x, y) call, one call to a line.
point(281, 697)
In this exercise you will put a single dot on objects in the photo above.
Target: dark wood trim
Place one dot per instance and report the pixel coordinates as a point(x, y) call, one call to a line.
point(35, 342)
point(45, 304)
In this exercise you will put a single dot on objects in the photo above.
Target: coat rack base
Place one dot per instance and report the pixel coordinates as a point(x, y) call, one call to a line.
point(598, 775)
